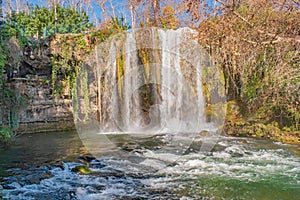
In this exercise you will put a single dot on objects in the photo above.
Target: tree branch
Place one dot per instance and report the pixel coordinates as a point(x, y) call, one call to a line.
point(276, 37)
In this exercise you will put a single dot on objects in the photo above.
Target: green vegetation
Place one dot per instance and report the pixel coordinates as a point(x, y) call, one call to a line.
point(39, 21)
point(2, 62)
point(82, 169)
point(255, 46)
point(43, 21)
point(5, 135)
point(71, 49)
point(114, 26)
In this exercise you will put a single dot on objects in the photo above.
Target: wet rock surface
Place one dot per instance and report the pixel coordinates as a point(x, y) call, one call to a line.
point(56, 182)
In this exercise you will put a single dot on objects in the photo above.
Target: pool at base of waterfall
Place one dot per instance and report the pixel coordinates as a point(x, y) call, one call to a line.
point(47, 166)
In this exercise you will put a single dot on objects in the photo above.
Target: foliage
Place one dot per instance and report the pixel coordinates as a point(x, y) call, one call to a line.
point(256, 46)
point(42, 20)
point(64, 73)
point(2, 63)
point(5, 134)
point(70, 50)
point(168, 19)
point(13, 101)
point(114, 26)
point(9, 30)
point(117, 25)
point(68, 54)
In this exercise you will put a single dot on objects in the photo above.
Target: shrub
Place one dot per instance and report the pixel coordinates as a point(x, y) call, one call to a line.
point(5, 135)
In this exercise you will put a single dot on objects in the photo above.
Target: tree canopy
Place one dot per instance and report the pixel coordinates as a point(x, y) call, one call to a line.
point(53, 20)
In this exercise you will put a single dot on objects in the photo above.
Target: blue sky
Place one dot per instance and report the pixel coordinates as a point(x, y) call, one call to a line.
point(120, 9)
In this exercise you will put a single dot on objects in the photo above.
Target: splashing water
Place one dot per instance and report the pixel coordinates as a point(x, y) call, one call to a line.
point(146, 83)
point(237, 168)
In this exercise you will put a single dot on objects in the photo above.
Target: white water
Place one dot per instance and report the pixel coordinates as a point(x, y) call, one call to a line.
point(162, 95)
point(150, 83)
point(172, 80)
point(238, 168)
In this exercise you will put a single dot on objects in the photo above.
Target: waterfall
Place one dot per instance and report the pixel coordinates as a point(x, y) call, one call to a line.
point(131, 99)
point(151, 81)
point(171, 79)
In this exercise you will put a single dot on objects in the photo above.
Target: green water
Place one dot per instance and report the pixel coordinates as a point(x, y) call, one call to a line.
point(40, 148)
point(236, 168)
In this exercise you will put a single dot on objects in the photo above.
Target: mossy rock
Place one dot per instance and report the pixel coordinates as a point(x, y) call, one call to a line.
point(82, 169)
point(260, 130)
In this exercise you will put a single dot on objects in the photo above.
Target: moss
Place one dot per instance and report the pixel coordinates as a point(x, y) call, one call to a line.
point(82, 169)
point(5, 135)
point(237, 124)
point(119, 73)
point(86, 94)
point(68, 53)
point(3, 60)
point(243, 128)
point(144, 55)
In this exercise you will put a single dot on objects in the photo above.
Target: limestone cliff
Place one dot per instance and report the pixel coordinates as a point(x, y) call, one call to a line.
point(29, 105)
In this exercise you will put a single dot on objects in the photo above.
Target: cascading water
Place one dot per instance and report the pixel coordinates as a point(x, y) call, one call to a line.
point(157, 89)
point(151, 82)
point(172, 102)
point(238, 168)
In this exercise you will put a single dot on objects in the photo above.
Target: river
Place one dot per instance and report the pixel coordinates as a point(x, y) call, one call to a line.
point(41, 166)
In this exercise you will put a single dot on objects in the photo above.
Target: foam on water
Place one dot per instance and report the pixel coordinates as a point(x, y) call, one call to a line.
point(150, 81)
point(240, 166)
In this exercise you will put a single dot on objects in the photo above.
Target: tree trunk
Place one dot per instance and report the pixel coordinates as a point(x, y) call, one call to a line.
point(132, 15)
point(156, 11)
point(113, 9)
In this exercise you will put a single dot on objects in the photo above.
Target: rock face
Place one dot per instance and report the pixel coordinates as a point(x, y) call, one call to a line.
point(31, 106)
point(31, 60)
point(36, 59)
point(38, 111)
point(13, 60)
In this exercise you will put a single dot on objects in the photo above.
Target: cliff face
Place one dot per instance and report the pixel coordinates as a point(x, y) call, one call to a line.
point(38, 111)
point(31, 60)
point(30, 105)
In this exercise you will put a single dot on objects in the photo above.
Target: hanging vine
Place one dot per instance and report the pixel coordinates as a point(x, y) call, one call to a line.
point(66, 61)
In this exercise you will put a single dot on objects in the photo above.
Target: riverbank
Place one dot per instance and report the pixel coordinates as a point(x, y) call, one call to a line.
point(259, 130)
point(240, 126)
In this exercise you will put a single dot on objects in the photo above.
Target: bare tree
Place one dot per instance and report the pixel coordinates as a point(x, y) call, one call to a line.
point(7, 8)
point(101, 3)
point(133, 5)
point(132, 16)
point(112, 8)
point(145, 12)
point(258, 49)
point(12, 6)
point(156, 11)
